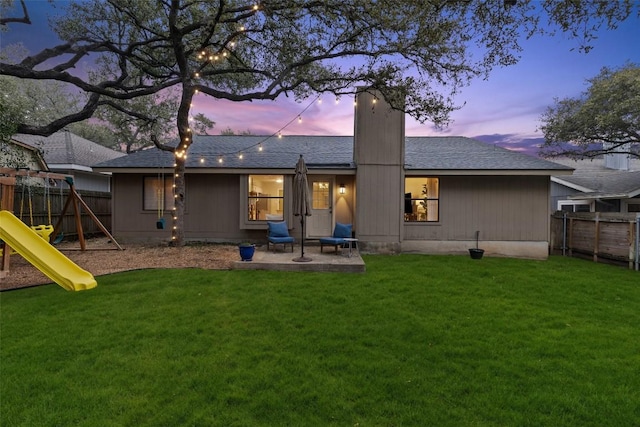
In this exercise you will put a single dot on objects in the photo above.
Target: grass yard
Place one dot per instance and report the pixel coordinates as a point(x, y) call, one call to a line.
point(416, 341)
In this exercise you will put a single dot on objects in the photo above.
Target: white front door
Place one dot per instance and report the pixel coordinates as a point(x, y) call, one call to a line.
point(321, 219)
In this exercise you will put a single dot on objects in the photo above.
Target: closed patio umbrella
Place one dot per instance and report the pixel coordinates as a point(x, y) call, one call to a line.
point(301, 200)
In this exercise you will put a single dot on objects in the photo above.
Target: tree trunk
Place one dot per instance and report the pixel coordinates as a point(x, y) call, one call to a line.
point(177, 233)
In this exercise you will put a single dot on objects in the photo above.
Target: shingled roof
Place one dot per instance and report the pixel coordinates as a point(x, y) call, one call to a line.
point(335, 152)
point(596, 181)
point(66, 148)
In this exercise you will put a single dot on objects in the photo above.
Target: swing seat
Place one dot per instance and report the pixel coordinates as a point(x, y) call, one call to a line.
point(58, 238)
point(43, 231)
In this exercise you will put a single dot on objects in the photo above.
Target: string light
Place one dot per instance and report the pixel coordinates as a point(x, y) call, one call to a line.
point(278, 134)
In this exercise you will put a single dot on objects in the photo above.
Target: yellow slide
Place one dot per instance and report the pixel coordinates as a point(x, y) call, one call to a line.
point(42, 255)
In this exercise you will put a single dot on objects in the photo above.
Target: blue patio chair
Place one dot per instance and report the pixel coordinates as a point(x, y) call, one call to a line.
point(278, 233)
point(337, 239)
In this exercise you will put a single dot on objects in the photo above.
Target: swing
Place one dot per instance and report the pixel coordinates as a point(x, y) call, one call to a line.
point(42, 230)
point(160, 197)
point(60, 235)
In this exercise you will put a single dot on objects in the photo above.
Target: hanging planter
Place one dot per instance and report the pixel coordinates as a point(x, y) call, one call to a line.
point(476, 253)
point(246, 251)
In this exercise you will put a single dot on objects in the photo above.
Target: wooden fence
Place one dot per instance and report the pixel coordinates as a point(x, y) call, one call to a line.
point(605, 237)
point(39, 206)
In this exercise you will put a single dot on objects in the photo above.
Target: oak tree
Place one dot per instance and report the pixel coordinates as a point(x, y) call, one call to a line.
point(417, 53)
point(603, 119)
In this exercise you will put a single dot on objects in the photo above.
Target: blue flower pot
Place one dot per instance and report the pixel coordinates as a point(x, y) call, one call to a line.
point(246, 252)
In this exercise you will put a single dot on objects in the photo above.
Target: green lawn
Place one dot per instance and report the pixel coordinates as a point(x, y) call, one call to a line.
point(416, 341)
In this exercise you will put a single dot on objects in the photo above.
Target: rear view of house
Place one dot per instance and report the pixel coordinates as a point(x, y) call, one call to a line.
point(402, 194)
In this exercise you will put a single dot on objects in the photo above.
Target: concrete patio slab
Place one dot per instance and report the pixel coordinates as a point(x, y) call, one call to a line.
point(284, 260)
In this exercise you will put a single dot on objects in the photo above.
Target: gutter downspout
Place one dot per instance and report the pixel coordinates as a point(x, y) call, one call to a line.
point(564, 233)
point(637, 249)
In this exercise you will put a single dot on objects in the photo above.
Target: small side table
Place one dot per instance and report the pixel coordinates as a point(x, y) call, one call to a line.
point(351, 242)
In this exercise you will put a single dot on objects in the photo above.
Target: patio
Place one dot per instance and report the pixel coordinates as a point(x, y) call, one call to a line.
point(281, 260)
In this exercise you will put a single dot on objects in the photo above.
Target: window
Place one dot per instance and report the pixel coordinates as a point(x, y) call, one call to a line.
point(421, 199)
point(633, 207)
point(574, 206)
point(265, 200)
point(320, 195)
point(157, 193)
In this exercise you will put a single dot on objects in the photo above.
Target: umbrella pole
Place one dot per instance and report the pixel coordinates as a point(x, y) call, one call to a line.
point(302, 258)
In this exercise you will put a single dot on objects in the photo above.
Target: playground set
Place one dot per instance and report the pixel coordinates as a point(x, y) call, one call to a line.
point(35, 243)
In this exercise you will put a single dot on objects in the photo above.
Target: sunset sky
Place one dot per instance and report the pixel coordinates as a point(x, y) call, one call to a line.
point(504, 110)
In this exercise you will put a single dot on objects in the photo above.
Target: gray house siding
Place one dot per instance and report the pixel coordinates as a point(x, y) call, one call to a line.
point(510, 215)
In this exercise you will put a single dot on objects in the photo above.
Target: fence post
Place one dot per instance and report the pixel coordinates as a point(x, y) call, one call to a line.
point(596, 237)
point(637, 248)
point(564, 233)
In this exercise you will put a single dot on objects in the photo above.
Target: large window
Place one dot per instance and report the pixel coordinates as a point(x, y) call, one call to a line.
point(158, 193)
point(265, 200)
point(421, 199)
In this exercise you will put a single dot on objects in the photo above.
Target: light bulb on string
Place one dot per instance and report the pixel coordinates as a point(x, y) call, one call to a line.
point(299, 119)
point(260, 147)
point(220, 159)
point(240, 155)
point(202, 160)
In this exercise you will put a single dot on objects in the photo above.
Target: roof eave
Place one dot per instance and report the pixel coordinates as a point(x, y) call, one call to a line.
point(488, 172)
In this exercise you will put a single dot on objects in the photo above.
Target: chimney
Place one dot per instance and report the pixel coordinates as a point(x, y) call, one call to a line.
point(618, 159)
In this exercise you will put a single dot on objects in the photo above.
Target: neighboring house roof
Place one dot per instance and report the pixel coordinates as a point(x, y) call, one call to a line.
point(33, 158)
point(335, 152)
point(595, 181)
point(67, 150)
